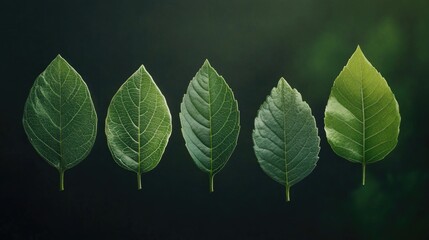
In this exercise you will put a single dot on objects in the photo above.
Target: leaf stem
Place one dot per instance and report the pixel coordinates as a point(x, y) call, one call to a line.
point(363, 173)
point(211, 176)
point(287, 193)
point(139, 181)
point(61, 180)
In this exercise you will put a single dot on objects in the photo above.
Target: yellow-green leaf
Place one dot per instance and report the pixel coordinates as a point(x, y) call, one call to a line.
point(362, 115)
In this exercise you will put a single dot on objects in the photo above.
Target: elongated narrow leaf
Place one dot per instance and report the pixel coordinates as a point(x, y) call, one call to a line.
point(362, 116)
point(210, 121)
point(138, 124)
point(285, 137)
point(59, 117)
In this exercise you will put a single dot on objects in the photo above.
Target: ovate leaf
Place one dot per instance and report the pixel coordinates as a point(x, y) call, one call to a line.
point(362, 115)
point(210, 121)
point(285, 137)
point(138, 124)
point(59, 117)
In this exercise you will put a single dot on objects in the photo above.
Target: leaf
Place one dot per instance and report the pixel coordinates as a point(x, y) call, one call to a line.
point(210, 121)
point(285, 137)
point(362, 115)
point(138, 124)
point(59, 117)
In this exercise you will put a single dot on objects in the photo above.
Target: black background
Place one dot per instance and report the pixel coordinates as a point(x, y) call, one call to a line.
point(252, 44)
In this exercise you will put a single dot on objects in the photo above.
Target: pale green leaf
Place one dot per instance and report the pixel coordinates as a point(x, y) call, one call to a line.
point(285, 137)
point(362, 115)
point(59, 117)
point(138, 124)
point(210, 121)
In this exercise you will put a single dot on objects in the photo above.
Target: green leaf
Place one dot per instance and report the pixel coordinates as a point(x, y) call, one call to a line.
point(59, 117)
point(285, 137)
point(362, 115)
point(210, 121)
point(138, 124)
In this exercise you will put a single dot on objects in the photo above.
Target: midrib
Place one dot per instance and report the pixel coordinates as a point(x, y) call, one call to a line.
point(363, 120)
point(61, 127)
point(284, 135)
point(210, 124)
point(138, 129)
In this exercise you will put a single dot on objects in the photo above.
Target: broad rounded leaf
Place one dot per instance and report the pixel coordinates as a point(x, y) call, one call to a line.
point(138, 124)
point(362, 115)
point(210, 121)
point(59, 117)
point(285, 137)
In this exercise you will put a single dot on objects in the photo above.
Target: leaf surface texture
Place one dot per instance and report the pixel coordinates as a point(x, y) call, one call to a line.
point(362, 115)
point(285, 137)
point(210, 121)
point(59, 117)
point(138, 124)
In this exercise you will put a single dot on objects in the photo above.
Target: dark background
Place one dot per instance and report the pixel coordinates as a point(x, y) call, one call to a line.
point(252, 44)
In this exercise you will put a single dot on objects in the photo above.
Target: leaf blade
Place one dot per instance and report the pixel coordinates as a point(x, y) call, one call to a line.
point(362, 115)
point(138, 124)
point(59, 117)
point(210, 121)
point(284, 127)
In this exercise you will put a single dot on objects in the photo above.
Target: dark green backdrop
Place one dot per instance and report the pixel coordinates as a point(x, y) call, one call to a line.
point(252, 44)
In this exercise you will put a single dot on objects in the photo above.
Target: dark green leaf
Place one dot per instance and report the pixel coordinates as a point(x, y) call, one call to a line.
point(210, 121)
point(59, 117)
point(285, 136)
point(362, 116)
point(138, 124)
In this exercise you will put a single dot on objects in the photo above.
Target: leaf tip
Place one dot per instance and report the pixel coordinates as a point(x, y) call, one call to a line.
point(358, 48)
point(283, 83)
point(59, 58)
point(206, 62)
point(142, 68)
point(359, 51)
